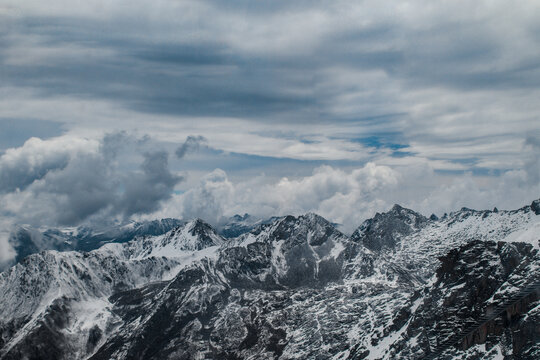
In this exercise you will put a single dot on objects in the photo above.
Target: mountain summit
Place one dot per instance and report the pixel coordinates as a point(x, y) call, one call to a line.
point(401, 287)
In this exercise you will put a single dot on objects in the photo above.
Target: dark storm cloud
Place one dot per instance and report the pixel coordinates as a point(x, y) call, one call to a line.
point(144, 192)
point(192, 144)
point(19, 176)
point(85, 187)
point(67, 184)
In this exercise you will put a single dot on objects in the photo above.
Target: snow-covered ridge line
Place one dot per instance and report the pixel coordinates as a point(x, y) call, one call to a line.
point(298, 265)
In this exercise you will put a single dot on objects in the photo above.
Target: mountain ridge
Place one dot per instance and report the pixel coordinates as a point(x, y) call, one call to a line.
point(293, 288)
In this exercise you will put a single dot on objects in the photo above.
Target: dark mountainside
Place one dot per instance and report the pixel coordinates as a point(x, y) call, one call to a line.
point(403, 286)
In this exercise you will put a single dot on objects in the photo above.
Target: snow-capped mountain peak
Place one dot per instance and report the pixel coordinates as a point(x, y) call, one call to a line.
point(193, 236)
point(292, 288)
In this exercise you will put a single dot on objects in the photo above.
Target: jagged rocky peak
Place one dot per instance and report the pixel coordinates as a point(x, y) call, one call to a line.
point(468, 214)
point(293, 250)
point(384, 230)
point(194, 235)
point(535, 206)
point(311, 228)
point(200, 227)
point(409, 216)
point(293, 288)
point(183, 240)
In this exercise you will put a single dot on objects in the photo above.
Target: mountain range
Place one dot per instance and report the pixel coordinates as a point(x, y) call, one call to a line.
point(402, 286)
point(27, 240)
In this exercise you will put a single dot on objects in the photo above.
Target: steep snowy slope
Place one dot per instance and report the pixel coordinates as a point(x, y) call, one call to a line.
point(250, 302)
point(470, 282)
point(72, 289)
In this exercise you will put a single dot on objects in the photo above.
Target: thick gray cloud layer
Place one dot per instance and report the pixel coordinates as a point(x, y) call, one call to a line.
point(452, 82)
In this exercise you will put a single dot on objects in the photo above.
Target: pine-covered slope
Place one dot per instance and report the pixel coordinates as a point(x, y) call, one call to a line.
point(293, 288)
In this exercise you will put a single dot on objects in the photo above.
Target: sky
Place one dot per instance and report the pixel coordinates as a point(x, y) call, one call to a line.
point(120, 110)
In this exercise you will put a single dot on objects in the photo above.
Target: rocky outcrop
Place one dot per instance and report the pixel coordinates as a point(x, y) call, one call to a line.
point(468, 281)
point(384, 230)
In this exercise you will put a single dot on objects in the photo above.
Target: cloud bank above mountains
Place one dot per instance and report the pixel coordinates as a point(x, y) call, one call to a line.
point(117, 110)
point(67, 181)
point(455, 83)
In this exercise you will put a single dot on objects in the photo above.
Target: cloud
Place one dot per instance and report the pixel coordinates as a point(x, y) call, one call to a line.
point(532, 160)
point(345, 197)
point(192, 144)
point(7, 253)
point(437, 99)
point(69, 180)
point(20, 167)
point(210, 200)
point(450, 80)
point(145, 192)
point(348, 197)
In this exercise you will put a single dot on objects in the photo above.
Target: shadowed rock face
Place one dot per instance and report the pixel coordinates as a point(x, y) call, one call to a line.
point(384, 230)
point(535, 206)
point(293, 288)
point(466, 281)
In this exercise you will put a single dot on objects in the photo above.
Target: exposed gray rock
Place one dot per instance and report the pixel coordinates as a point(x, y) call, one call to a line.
point(384, 230)
point(293, 288)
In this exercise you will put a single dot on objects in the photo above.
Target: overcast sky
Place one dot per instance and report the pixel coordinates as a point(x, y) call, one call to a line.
point(144, 109)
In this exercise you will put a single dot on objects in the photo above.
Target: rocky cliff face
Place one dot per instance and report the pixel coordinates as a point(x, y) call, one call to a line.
point(465, 288)
point(384, 230)
point(293, 288)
